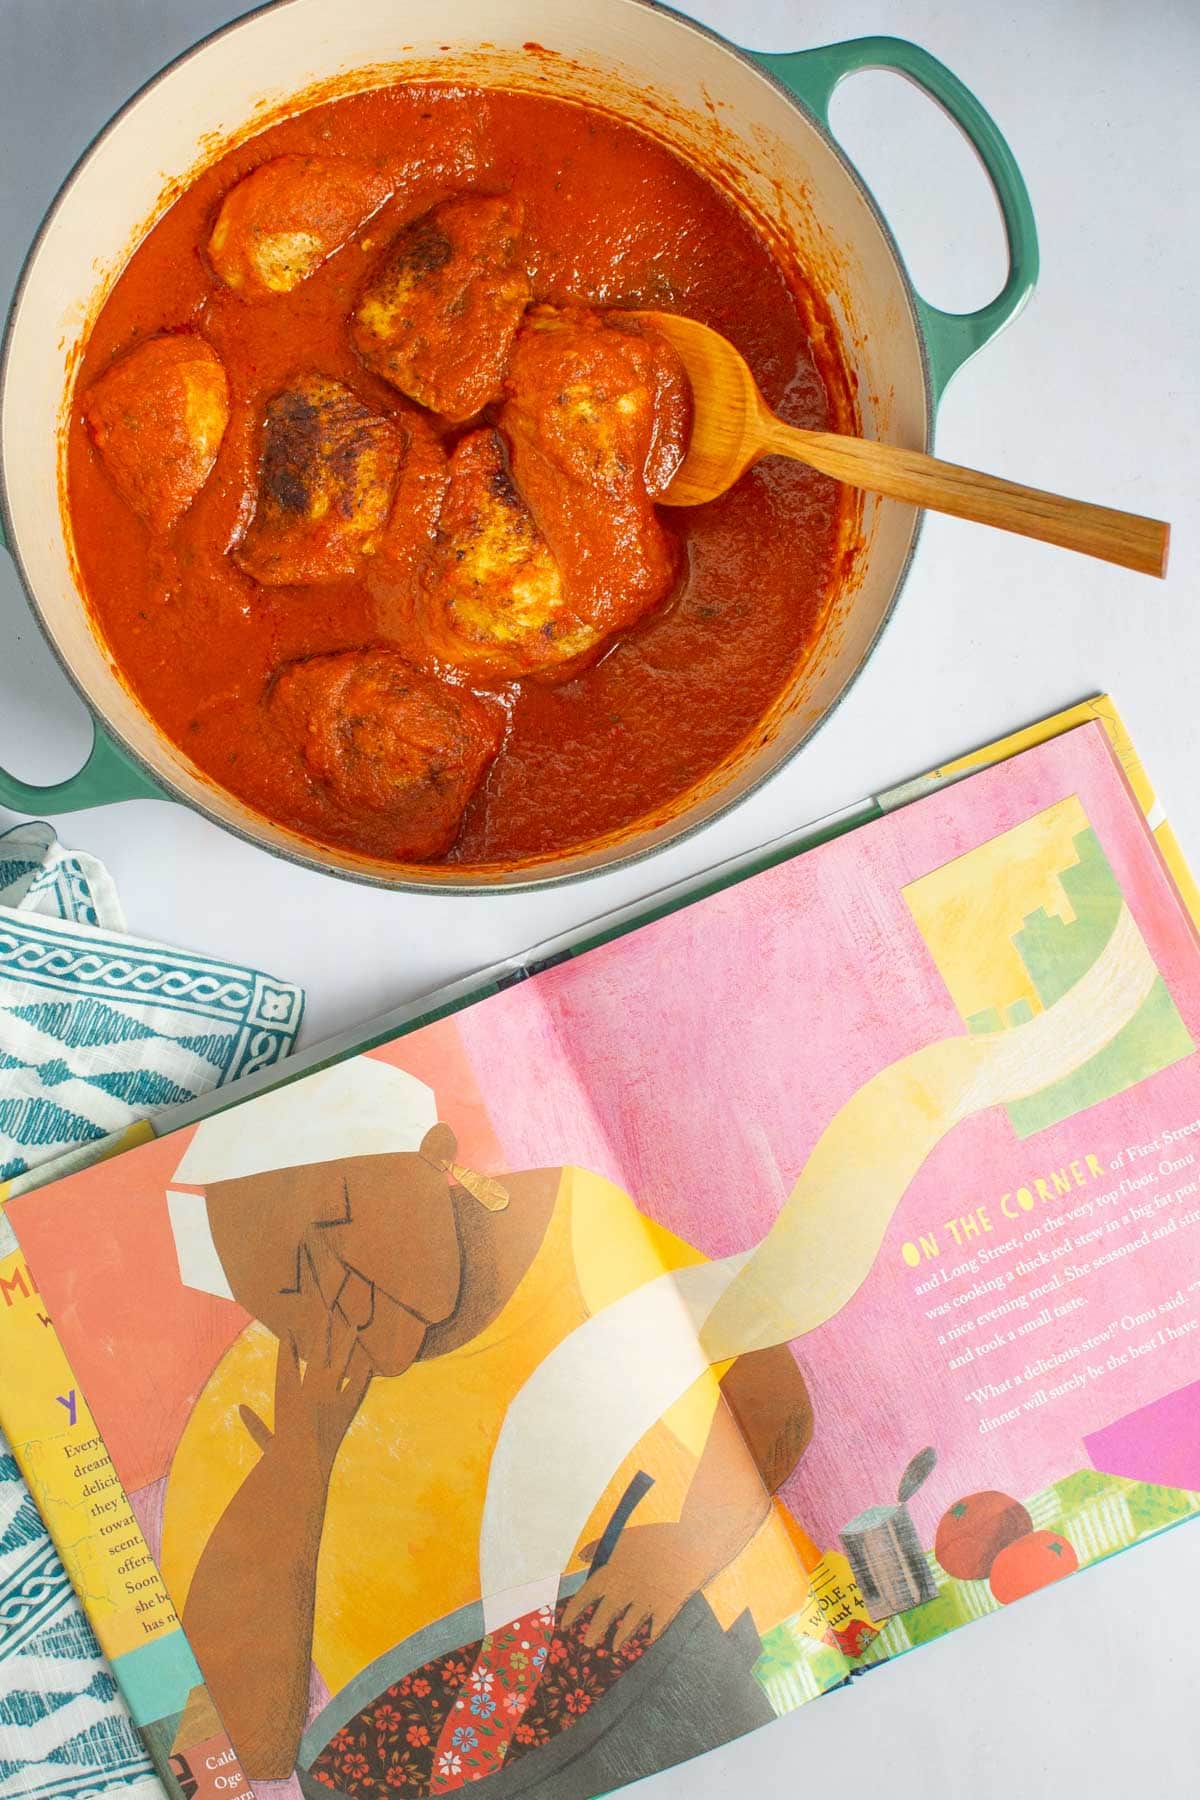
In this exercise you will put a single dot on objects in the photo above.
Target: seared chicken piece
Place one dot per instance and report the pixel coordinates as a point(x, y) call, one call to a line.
point(493, 601)
point(157, 418)
point(387, 743)
point(281, 222)
point(439, 318)
point(326, 482)
point(597, 416)
point(606, 400)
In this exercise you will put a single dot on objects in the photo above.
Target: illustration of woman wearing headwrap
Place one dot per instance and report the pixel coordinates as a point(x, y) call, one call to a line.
point(333, 1476)
point(485, 1490)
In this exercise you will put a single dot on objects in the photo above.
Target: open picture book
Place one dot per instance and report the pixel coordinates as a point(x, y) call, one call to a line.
point(600, 1369)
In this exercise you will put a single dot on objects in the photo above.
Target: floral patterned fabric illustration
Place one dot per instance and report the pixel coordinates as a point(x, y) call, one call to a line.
point(487, 1714)
point(460, 1717)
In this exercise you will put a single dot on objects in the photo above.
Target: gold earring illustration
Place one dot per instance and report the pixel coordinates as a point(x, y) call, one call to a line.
point(484, 1188)
point(490, 1193)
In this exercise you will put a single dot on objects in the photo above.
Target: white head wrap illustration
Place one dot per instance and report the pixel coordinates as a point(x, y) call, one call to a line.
point(361, 1107)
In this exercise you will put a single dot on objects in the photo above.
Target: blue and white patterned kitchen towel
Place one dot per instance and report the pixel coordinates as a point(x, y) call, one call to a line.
point(65, 1733)
point(39, 875)
point(97, 1031)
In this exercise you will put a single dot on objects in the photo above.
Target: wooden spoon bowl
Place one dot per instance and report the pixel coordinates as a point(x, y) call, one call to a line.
point(733, 427)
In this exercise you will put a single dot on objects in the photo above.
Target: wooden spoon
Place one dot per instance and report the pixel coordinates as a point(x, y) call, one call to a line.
point(732, 427)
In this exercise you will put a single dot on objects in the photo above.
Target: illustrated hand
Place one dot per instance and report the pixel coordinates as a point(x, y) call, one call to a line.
point(314, 1406)
point(651, 1575)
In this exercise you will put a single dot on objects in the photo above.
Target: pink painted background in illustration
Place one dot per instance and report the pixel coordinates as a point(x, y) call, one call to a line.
point(698, 1061)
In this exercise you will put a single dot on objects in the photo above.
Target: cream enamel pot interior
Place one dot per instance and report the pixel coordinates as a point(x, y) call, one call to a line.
point(760, 120)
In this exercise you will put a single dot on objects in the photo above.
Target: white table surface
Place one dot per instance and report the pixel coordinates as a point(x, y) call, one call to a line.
point(1091, 1687)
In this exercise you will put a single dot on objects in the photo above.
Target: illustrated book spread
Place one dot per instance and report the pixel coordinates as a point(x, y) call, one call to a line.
point(603, 1368)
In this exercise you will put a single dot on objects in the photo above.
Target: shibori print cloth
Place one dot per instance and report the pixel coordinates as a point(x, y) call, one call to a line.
point(38, 875)
point(97, 1031)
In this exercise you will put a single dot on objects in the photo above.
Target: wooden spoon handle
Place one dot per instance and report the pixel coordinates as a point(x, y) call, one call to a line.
point(1116, 537)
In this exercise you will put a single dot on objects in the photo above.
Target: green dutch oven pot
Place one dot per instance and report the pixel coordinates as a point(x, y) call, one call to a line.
point(767, 119)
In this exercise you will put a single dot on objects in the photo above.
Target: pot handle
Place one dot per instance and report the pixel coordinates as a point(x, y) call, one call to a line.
point(812, 76)
point(105, 777)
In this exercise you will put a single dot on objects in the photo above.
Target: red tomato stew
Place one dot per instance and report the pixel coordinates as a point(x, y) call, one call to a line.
point(366, 466)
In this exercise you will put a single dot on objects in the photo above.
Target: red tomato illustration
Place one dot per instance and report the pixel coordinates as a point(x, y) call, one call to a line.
point(1033, 1562)
point(974, 1531)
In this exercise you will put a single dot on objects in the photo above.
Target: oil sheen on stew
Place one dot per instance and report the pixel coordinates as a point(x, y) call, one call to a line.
point(365, 468)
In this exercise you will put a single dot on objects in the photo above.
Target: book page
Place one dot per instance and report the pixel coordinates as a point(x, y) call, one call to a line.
point(931, 1093)
point(722, 1169)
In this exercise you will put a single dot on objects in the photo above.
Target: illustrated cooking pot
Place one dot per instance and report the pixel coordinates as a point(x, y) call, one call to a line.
point(762, 120)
